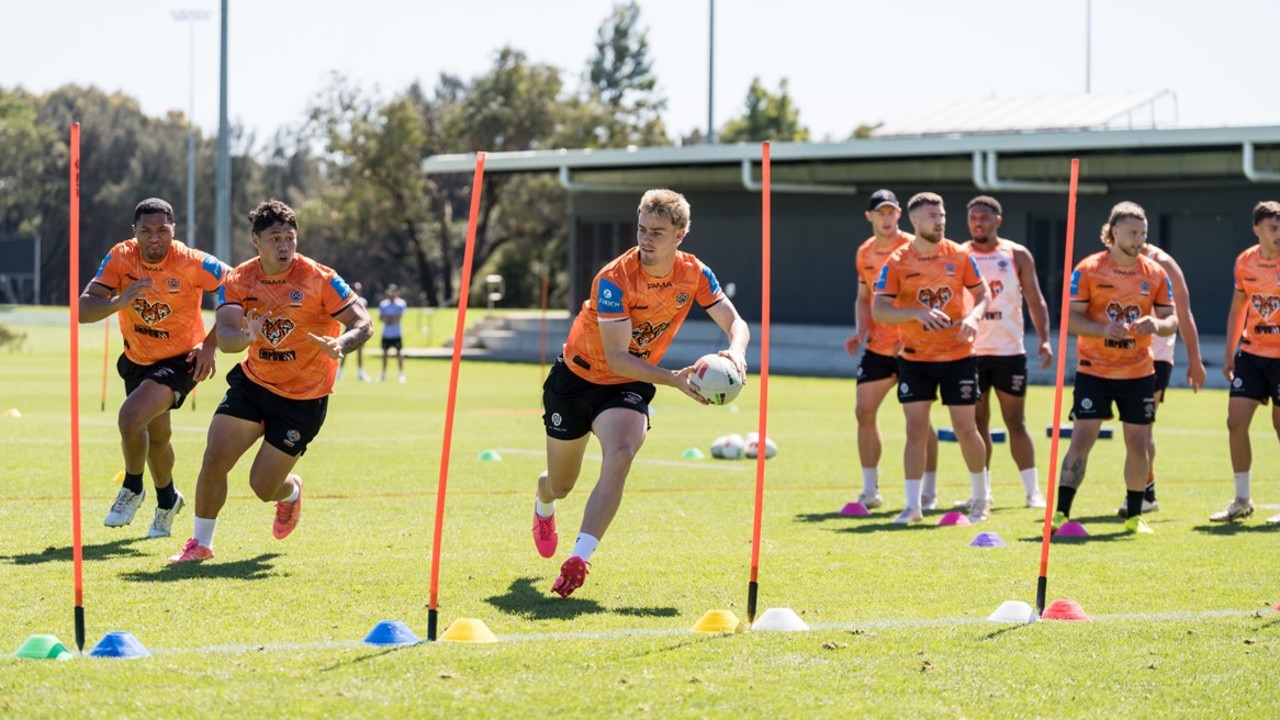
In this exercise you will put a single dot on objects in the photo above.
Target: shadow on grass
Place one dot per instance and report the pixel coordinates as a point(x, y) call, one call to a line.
point(1112, 527)
point(889, 525)
point(256, 568)
point(1234, 528)
point(830, 516)
point(1006, 629)
point(104, 551)
point(375, 653)
point(525, 600)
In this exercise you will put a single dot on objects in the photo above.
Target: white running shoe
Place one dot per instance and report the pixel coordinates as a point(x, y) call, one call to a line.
point(1238, 509)
point(966, 503)
point(402, 380)
point(979, 512)
point(1274, 519)
point(1148, 506)
point(124, 508)
point(870, 502)
point(908, 516)
point(162, 524)
point(1036, 500)
point(363, 376)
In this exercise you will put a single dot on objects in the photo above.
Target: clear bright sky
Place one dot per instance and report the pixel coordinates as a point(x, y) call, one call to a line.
point(848, 61)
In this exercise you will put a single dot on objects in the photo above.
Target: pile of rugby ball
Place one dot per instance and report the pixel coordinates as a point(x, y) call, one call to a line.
point(735, 447)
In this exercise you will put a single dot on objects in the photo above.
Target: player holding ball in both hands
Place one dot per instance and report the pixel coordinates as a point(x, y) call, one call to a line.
point(603, 382)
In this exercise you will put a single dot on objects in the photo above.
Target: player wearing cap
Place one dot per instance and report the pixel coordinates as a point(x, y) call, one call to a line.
point(1010, 272)
point(922, 289)
point(1254, 370)
point(878, 369)
point(1119, 299)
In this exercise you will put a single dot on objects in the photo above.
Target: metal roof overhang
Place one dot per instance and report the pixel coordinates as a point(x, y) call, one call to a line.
point(1126, 155)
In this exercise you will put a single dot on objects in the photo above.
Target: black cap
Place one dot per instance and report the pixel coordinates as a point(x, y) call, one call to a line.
point(883, 197)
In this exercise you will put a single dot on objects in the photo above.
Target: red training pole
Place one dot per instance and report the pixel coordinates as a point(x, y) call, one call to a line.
point(73, 280)
point(106, 350)
point(753, 587)
point(463, 292)
point(1042, 585)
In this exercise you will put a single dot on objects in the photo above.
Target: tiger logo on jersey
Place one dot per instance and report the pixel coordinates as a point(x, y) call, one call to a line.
point(646, 332)
point(277, 330)
point(1266, 306)
point(997, 287)
point(936, 299)
point(1127, 313)
point(151, 313)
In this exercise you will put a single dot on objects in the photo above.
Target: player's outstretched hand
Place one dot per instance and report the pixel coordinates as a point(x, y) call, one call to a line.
point(739, 361)
point(331, 345)
point(251, 324)
point(680, 378)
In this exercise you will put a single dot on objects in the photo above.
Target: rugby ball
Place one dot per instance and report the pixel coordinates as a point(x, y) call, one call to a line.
point(716, 379)
point(751, 446)
point(728, 447)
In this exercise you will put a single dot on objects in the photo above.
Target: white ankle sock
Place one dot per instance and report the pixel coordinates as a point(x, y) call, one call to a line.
point(203, 532)
point(585, 545)
point(913, 494)
point(870, 481)
point(1242, 484)
point(293, 496)
point(929, 484)
point(1030, 480)
point(979, 486)
point(544, 510)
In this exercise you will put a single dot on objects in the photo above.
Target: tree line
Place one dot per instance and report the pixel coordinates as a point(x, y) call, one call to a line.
point(352, 168)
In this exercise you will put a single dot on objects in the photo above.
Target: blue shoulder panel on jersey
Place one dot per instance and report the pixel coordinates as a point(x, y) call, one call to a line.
point(608, 297)
point(212, 266)
point(1075, 283)
point(103, 266)
point(340, 286)
point(222, 295)
point(974, 263)
point(711, 279)
point(883, 277)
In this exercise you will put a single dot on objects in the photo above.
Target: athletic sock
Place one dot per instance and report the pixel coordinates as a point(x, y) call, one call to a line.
point(1150, 491)
point(133, 483)
point(1133, 502)
point(544, 510)
point(585, 545)
point(203, 532)
point(913, 494)
point(929, 484)
point(293, 496)
point(870, 481)
point(1030, 480)
point(1242, 485)
point(1066, 496)
point(979, 486)
point(167, 496)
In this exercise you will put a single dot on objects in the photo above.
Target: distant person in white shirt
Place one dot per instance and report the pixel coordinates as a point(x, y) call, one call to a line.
point(391, 312)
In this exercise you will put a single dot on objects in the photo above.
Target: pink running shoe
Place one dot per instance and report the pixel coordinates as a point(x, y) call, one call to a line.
point(572, 574)
point(545, 536)
point(193, 551)
point(287, 514)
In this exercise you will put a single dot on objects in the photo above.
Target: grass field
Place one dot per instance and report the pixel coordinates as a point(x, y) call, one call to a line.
point(1183, 620)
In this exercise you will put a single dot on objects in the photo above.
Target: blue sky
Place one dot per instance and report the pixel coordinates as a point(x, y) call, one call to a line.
point(847, 62)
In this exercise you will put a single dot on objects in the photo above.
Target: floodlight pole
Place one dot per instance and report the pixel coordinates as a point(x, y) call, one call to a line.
point(711, 75)
point(222, 198)
point(1088, 46)
point(191, 17)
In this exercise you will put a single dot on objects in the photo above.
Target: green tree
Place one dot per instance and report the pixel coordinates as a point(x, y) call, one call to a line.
point(767, 117)
point(621, 89)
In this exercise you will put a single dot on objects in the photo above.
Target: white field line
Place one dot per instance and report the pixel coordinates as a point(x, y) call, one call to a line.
point(671, 632)
point(739, 467)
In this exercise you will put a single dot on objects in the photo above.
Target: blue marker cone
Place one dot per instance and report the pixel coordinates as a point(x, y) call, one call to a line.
point(119, 644)
point(391, 632)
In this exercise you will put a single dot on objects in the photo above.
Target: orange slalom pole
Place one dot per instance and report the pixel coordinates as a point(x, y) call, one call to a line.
point(766, 241)
point(1042, 585)
point(73, 265)
point(463, 292)
point(106, 350)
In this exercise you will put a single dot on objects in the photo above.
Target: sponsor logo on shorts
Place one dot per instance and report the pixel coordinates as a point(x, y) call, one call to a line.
point(903, 389)
point(1237, 383)
point(556, 419)
point(631, 398)
point(292, 437)
point(1086, 404)
point(1017, 381)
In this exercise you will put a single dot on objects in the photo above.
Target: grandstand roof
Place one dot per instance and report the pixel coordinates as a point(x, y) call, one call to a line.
point(1093, 111)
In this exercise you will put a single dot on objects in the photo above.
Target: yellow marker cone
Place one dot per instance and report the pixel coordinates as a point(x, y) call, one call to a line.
point(719, 621)
point(468, 630)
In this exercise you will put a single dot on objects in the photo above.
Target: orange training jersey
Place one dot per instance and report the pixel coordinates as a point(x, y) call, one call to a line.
point(882, 338)
point(937, 280)
point(1259, 280)
point(1118, 293)
point(306, 298)
point(163, 321)
point(654, 306)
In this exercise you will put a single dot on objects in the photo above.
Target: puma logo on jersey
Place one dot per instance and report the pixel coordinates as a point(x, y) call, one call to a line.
point(276, 330)
point(151, 313)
